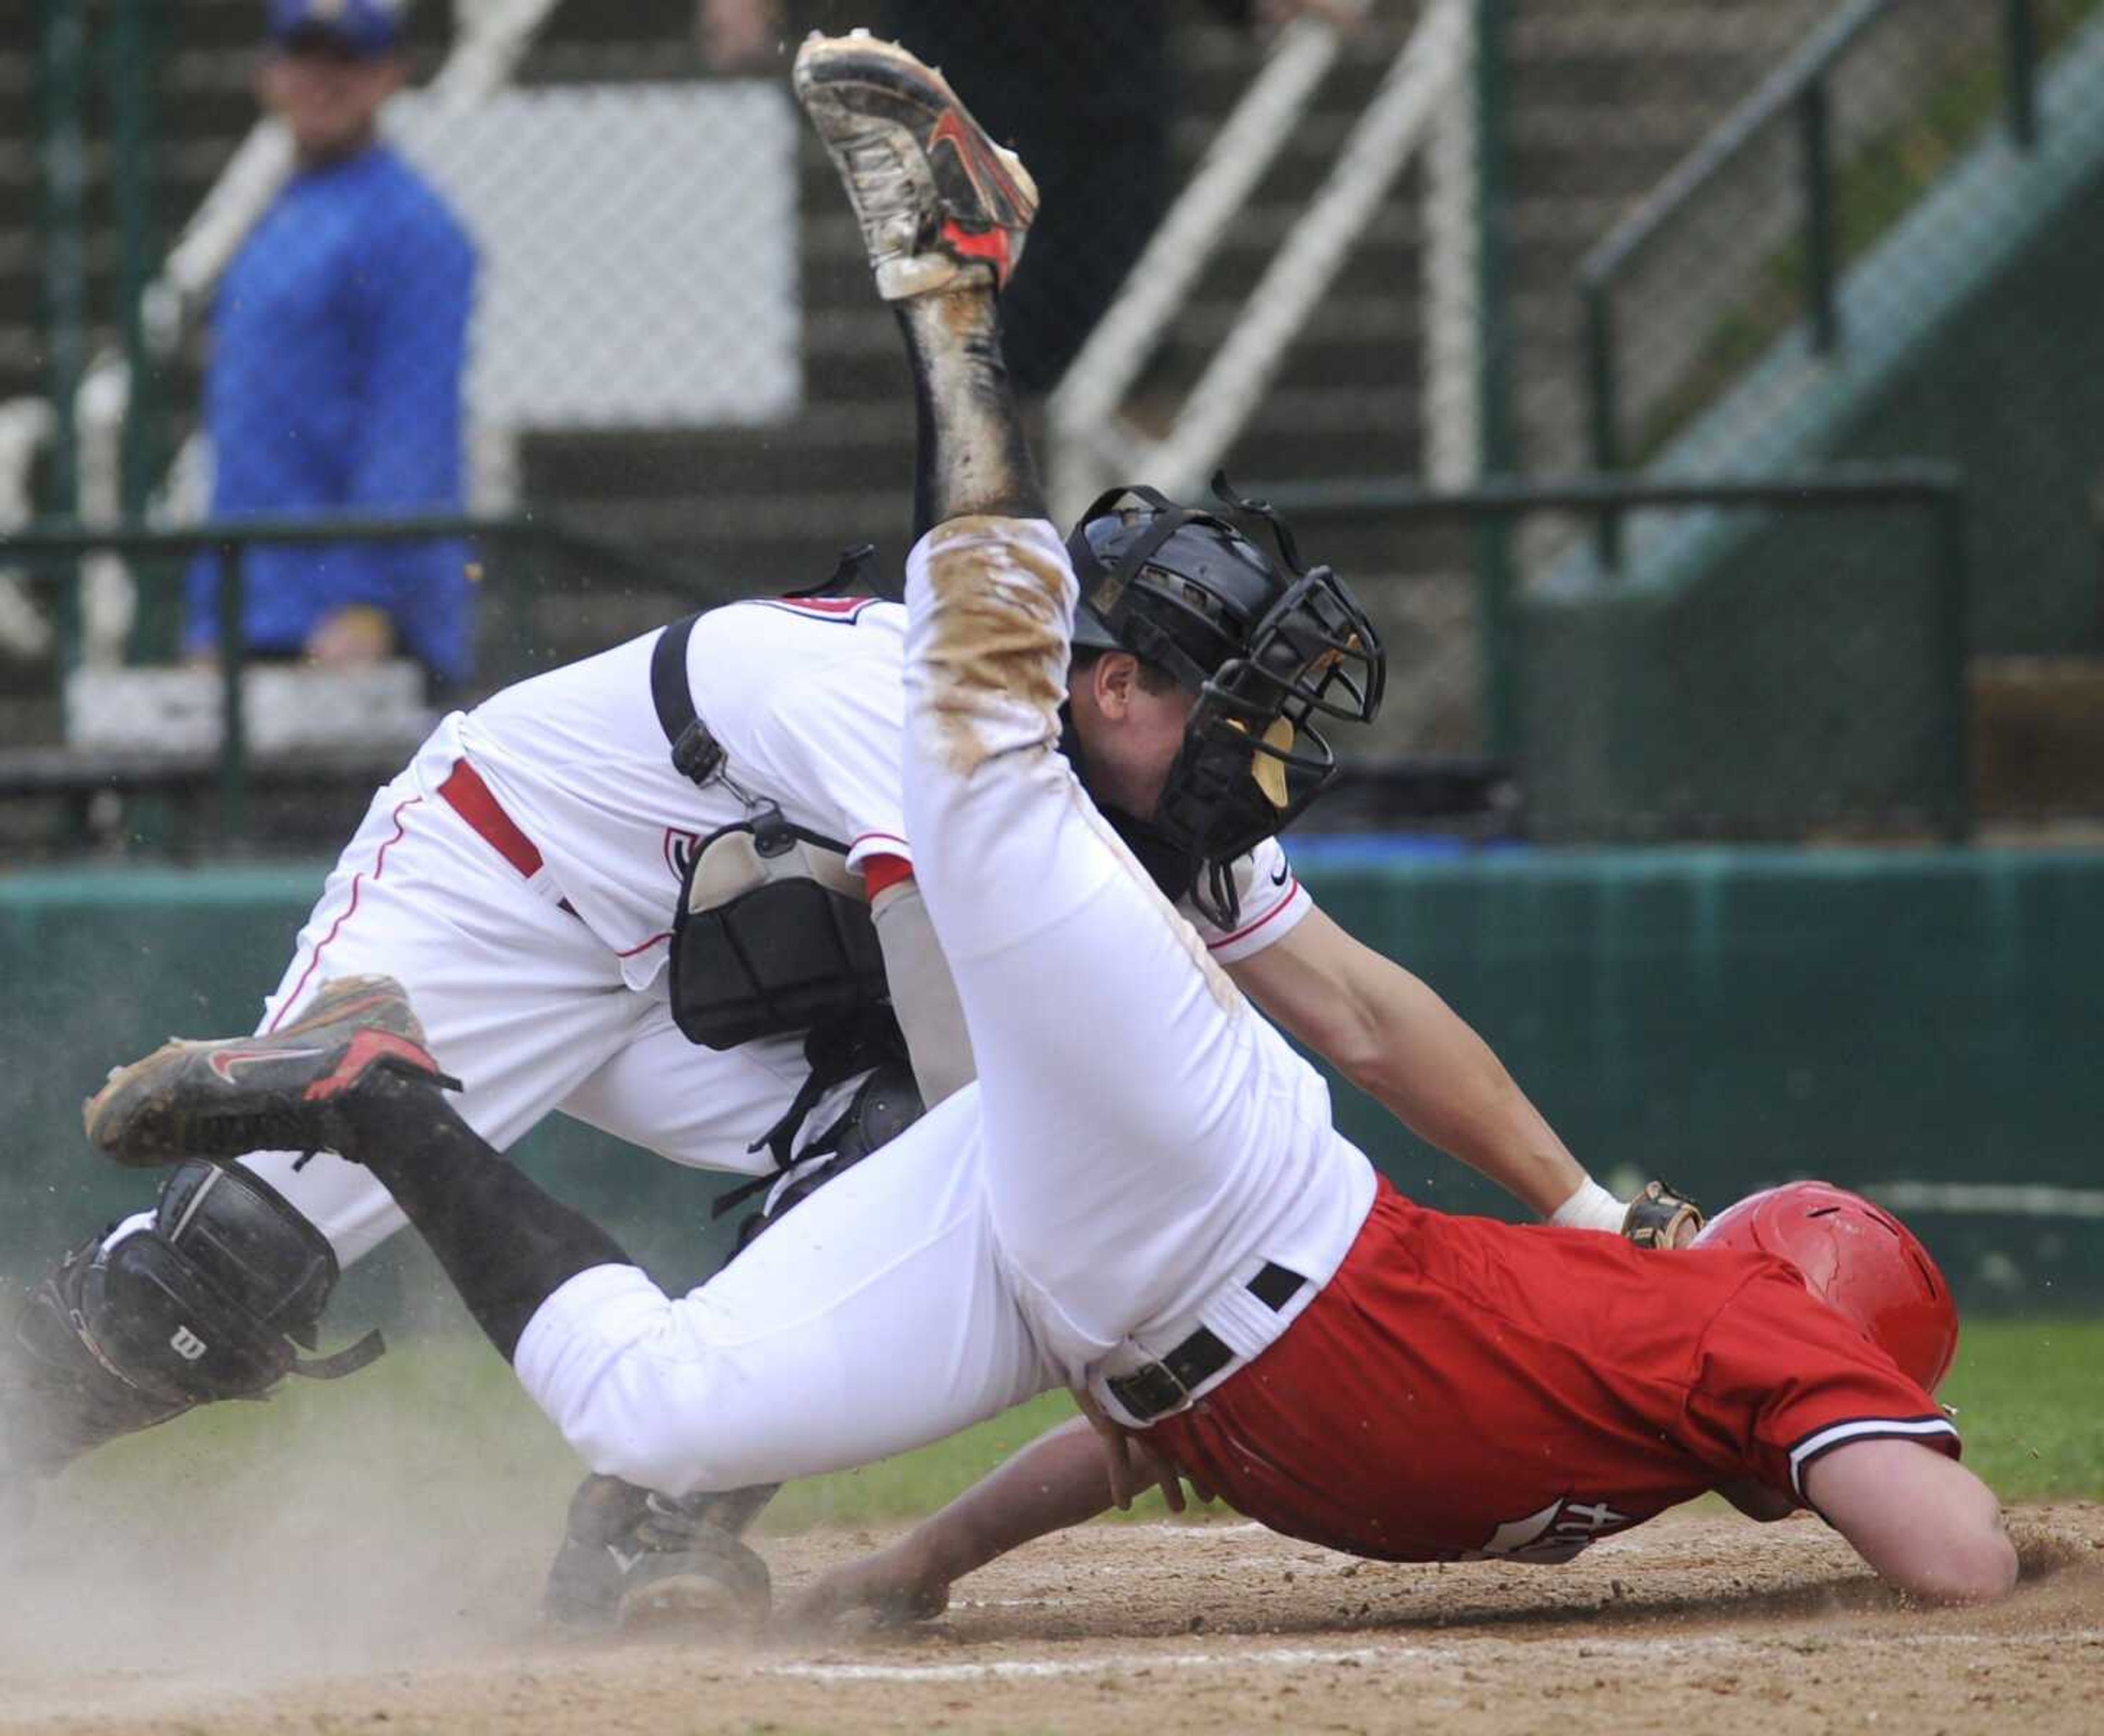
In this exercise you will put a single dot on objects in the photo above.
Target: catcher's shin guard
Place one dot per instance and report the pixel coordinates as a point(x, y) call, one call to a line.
point(632, 1559)
point(884, 1105)
point(58, 1398)
point(210, 1297)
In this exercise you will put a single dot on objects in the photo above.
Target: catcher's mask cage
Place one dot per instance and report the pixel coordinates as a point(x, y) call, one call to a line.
point(1265, 651)
point(1860, 1260)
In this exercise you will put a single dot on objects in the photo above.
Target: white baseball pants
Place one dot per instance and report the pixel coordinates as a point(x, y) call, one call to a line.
point(1139, 1144)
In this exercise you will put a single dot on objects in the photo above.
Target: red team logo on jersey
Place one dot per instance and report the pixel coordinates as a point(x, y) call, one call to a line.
point(680, 849)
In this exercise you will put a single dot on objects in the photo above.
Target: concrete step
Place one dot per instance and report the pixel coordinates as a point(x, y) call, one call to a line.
point(2038, 736)
point(729, 478)
point(852, 356)
point(1567, 33)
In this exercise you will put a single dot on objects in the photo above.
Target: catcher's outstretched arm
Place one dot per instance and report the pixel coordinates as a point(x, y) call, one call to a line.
point(1403, 1046)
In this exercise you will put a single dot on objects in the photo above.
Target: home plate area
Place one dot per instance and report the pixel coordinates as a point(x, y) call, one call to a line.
point(1701, 1622)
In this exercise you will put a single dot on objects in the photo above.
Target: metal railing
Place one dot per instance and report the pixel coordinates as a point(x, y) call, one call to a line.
point(1092, 444)
point(1936, 489)
point(513, 536)
point(1801, 88)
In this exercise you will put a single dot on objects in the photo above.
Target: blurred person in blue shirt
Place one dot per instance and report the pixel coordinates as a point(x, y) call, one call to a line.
point(338, 345)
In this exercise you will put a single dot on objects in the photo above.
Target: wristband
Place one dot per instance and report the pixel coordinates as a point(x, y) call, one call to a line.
point(1592, 1207)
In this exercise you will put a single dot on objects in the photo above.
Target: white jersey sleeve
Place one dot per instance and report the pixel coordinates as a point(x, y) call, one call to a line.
point(1272, 902)
point(807, 701)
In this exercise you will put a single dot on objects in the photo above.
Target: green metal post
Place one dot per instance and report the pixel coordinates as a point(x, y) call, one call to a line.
point(1814, 137)
point(132, 58)
point(1953, 630)
point(1499, 450)
point(233, 713)
point(2020, 70)
point(521, 566)
point(1604, 414)
point(62, 177)
point(129, 62)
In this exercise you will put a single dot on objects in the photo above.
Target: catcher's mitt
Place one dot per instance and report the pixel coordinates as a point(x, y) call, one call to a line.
point(1659, 1218)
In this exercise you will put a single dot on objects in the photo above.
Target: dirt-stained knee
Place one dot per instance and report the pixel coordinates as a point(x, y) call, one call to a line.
point(1000, 638)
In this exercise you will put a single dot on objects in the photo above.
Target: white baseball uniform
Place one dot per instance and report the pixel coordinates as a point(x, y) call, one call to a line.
point(519, 878)
point(1141, 1142)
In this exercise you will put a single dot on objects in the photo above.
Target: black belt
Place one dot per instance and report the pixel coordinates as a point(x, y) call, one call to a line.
point(1162, 1386)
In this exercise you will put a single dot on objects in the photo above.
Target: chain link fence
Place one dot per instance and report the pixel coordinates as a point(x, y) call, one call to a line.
point(1693, 239)
point(1752, 238)
point(594, 263)
point(1813, 685)
point(1883, 251)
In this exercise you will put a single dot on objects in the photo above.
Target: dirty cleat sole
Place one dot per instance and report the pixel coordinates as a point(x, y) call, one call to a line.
point(940, 204)
point(638, 1561)
point(281, 1091)
point(722, 1590)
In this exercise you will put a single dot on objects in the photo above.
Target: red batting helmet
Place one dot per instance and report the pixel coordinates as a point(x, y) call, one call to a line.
point(1860, 1260)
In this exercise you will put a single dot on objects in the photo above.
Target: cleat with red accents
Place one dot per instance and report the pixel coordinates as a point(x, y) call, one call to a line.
point(940, 204)
point(283, 1090)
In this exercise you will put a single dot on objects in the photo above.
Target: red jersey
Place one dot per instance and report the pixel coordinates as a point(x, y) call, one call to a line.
point(1464, 1388)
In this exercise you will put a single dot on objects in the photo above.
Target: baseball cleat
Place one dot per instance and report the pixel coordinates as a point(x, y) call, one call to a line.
point(642, 1562)
point(940, 203)
point(284, 1091)
point(722, 1588)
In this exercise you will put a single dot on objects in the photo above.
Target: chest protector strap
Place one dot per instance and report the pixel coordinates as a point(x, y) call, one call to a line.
point(773, 933)
point(695, 755)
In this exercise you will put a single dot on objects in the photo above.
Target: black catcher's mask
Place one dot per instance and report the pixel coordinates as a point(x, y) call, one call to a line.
point(1264, 650)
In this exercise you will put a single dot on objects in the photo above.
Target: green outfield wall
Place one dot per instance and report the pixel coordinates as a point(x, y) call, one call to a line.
point(1928, 1020)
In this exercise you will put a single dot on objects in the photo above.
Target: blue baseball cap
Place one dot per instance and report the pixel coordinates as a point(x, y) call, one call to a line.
point(368, 28)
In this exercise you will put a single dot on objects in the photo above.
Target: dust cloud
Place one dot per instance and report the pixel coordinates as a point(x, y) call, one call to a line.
point(400, 1516)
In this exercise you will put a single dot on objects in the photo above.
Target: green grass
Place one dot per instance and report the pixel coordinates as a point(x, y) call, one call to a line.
point(917, 1483)
point(2029, 1398)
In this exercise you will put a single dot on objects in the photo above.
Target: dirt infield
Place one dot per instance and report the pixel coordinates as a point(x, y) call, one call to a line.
point(1701, 1622)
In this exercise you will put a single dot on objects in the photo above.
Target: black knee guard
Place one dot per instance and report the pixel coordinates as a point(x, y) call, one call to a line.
point(211, 1300)
point(887, 1104)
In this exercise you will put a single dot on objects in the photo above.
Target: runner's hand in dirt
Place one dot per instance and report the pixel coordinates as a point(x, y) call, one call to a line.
point(1085, 1466)
point(893, 1587)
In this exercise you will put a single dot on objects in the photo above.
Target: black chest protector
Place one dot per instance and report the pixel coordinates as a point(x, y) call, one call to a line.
point(773, 935)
